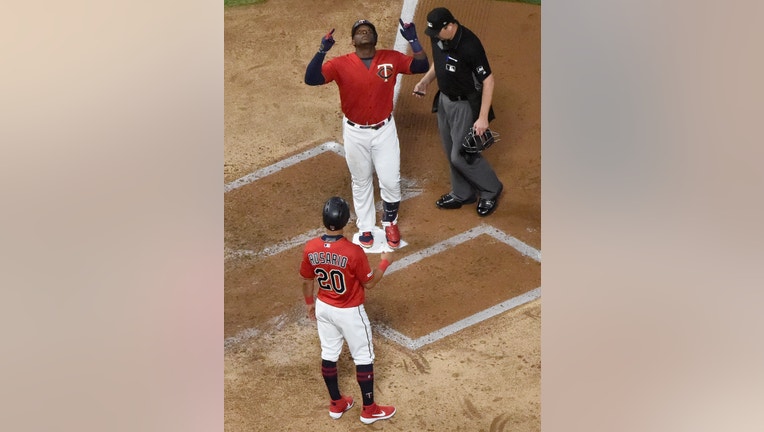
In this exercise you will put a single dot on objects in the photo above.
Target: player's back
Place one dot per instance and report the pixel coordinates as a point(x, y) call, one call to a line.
point(340, 267)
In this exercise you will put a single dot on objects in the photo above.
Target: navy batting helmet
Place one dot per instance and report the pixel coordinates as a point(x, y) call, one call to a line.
point(336, 213)
point(367, 23)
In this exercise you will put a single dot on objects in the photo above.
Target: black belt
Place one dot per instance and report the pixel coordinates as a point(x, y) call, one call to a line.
point(457, 98)
point(374, 126)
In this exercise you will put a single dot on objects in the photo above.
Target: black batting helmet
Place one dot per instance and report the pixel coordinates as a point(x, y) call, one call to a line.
point(367, 23)
point(336, 213)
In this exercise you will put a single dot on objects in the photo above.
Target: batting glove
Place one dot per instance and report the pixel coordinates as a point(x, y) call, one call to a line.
point(327, 42)
point(408, 31)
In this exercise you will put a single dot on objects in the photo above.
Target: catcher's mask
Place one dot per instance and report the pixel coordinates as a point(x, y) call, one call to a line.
point(336, 213)
point(474, 143)
point(359, 23)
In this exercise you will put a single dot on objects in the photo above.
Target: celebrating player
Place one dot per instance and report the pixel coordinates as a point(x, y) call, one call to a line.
point(366, 80)
point(341, 270)
point(465, 85)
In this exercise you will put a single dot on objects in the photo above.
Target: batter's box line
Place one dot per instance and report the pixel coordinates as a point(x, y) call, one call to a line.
point(414, 344)
point(285, 245)
point(407, 192)
point(458, 239)
point(409, 187)
point(280, 165)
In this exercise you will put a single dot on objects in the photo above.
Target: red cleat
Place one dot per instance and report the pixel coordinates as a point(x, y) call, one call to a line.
point(393, 235)
point(338, 407)
point(366, 239)
point(375, 412)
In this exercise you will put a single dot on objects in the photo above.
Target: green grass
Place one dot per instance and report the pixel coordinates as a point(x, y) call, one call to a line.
point(249, 2)
point(242, 2)
point(535, 2)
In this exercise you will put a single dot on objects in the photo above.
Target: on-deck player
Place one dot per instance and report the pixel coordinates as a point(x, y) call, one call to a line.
point(341, 270)
point(366, 80)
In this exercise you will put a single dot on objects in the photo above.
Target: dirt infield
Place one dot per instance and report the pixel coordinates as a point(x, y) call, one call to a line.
point(456, 268)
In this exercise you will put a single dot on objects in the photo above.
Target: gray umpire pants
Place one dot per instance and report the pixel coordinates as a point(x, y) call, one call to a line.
point(467, 180)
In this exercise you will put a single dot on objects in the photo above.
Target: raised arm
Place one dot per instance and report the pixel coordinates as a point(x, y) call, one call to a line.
point(313, 75)
point(420, 64)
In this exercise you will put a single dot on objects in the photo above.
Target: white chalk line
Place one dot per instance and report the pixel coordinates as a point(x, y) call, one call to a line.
point(409, 190)
point(241, 337)
point(277, 248)
point(402, 45)
point(456, 240)
point(301, 239)
point(276, 322)
point(407, 14)
point(461, 238)
point(415, 344)
point(278, 166)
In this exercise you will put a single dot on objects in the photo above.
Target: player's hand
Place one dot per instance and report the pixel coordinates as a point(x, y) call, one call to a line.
point(408, 31)
point(387, 256)
point(420, 90)
point(310, 311)
point(327, 42)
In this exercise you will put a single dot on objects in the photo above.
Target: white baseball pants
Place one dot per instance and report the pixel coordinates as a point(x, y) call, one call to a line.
point(367, 151)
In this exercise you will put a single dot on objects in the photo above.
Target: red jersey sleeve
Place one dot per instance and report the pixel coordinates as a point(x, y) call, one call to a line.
point(363, 269)
point(306, 269)
point(404, 63)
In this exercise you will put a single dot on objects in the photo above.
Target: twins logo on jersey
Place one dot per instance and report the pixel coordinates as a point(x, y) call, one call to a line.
point(385, 71)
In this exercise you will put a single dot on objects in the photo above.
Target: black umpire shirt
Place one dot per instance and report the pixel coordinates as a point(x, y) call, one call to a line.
point(459, 62)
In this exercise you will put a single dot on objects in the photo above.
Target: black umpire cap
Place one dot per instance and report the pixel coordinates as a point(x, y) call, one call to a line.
point(437, 19)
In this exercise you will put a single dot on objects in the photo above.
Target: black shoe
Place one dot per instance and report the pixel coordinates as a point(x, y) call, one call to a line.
point(449, 202)
point(488, 206)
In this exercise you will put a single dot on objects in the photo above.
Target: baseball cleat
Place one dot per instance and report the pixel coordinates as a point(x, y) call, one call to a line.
point(338, 407)
point(392, 235)
point(375, 412)
point(366, 239)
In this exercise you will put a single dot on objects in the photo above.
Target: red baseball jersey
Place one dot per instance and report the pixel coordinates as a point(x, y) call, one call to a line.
point(366, 94)
point(340, 268)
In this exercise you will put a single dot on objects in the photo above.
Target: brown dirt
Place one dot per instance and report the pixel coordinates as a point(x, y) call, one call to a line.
point(486, 377)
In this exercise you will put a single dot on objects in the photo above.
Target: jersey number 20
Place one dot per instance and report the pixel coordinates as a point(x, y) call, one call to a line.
point(333, 280)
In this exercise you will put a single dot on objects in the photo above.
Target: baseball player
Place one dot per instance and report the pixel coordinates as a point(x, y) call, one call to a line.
point(341, 270)
point(463, 101)
point(366, 80)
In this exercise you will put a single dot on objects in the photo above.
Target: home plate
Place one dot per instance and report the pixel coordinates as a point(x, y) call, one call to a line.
point(380, 242)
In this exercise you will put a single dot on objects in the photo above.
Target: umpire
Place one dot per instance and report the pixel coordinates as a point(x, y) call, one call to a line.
point(463, 101)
